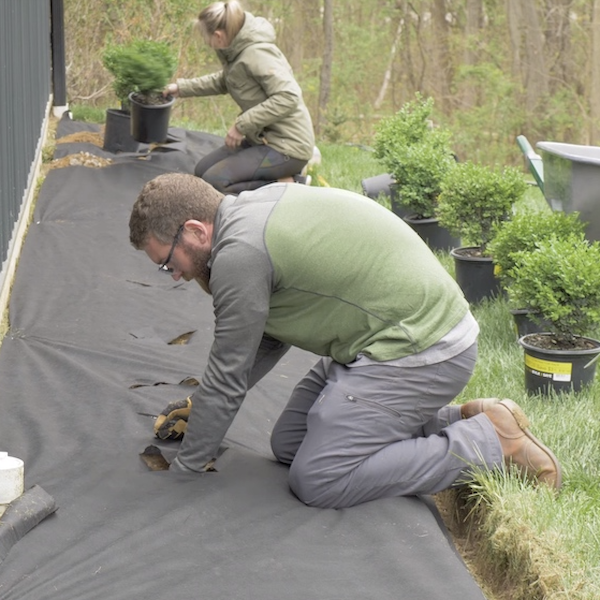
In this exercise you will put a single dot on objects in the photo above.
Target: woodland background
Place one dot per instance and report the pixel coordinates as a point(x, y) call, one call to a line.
point(495, 68)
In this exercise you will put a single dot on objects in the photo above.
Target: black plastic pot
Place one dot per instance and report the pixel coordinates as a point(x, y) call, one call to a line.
point(524, 324)
point(558, 370)
point(397, 207)
point(117, 132)
point(372, 187)
point(150, 122)
point(432, 233)
point(475, 275)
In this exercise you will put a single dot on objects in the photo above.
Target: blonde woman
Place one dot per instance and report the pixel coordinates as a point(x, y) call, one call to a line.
point(272, 138)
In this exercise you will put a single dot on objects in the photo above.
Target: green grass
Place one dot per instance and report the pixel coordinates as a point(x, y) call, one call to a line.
point(89, 114)
point(346, 166)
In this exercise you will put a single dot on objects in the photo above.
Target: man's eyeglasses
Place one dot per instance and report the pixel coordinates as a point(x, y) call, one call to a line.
point(164, 268)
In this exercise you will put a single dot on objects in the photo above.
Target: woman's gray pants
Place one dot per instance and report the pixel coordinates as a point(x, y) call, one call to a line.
point(354, 434)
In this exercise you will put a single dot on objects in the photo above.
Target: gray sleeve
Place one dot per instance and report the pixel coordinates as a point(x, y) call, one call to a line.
point(241, 281)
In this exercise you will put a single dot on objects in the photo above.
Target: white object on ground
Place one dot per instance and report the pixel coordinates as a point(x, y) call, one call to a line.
point(12, 475)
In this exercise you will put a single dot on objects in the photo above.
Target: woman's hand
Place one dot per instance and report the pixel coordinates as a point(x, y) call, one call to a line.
point(233, 138)
point(171, 90)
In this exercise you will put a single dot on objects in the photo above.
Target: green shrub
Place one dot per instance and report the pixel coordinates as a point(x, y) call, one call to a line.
point(416, 154)
point(418, 171)
point(408, 126)
point(560, 281)
point(475, 198)
point(522, 233)
point(142, 66)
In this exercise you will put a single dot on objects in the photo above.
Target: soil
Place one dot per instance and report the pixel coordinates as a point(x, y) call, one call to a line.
point(89, 137)
point(153, 459)
point(154, 99)
point(547, 341)
point(474, 252)
point(84, 159)
point(463, 531)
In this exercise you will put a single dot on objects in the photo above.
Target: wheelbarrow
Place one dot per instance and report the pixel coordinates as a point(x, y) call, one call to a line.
point(569, 177)
point(533, 160)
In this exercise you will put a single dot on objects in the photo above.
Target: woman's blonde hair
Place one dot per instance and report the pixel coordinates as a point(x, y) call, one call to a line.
point(221, 16)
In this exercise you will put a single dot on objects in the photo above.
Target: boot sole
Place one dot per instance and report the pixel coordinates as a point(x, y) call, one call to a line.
point(523, 422)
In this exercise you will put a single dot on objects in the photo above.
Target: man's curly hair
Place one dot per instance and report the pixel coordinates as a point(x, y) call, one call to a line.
point(168, 201)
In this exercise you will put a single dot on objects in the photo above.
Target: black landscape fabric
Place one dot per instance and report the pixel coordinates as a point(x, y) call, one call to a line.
point(90, 358)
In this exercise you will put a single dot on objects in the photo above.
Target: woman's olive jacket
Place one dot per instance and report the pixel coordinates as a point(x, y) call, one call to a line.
point(259, 78)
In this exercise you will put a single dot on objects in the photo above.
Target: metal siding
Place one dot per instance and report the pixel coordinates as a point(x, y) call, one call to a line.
point(25, 84)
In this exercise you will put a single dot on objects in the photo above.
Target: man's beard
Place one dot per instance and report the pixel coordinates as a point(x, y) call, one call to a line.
point(201, 271)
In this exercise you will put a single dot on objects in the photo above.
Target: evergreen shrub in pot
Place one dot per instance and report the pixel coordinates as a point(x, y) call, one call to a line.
point(417, 155)
point(522, 233)
point(474, 199)
point(560, 281)
point(141, 69)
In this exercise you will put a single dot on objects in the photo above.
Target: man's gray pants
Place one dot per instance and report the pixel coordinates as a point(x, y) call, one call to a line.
point(354, 434)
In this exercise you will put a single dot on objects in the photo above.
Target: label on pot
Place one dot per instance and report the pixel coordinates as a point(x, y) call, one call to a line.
point(557, 371)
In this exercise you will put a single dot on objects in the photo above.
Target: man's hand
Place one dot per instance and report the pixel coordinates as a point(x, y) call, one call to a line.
point(233, 138)
point(171, 424)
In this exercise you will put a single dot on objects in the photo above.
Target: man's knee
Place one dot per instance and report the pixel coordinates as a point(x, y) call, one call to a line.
point(281, 448)
point(310, 488)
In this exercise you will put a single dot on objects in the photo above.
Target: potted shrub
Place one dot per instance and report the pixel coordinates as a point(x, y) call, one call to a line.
point(142, 68)
point(393, 134)
point(560, 280)
point(474, 199)
point(417, 156)
point(519, 234)
point(117, 129)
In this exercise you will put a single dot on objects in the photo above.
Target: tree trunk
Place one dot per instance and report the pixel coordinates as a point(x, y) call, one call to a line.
point(558, 43)
point(528, 49)
point(296, 32)
point(388, 72)
point(443, 71)
point(513, 11)
point(470, 57)
point(325, 80)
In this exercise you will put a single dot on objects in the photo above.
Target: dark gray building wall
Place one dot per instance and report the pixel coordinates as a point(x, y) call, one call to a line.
point(25, 91)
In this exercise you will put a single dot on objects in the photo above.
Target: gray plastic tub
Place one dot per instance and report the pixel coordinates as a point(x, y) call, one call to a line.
point(572, 181)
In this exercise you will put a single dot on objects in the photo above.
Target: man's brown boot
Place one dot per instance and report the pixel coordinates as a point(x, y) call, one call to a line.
point(474, 407)
point(520, 447)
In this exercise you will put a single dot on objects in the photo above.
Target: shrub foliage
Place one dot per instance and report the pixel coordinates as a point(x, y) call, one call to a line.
point(560, 280)
point(523, 232)
point(142, 66)
point(416, 154)
point(475, 198)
